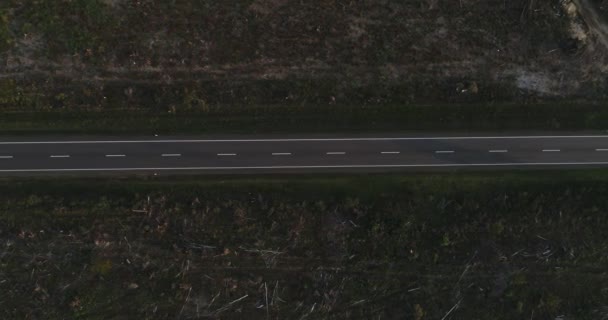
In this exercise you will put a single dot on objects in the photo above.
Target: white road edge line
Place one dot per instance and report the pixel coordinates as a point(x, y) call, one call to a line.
point(6, 157)
point(498, 151)
point(551, 150)
point(61, 156)
point(444, 151)
point(446, 165)
point(281, 154)
point(226, 154)
point(115, 155)
point(301, 139)
point(390, 152)
point(171, 155)
point(335, 153)
point(601, 150)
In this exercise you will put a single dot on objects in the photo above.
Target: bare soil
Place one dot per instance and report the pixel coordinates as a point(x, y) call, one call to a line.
point(469, 246)
point(104, 54)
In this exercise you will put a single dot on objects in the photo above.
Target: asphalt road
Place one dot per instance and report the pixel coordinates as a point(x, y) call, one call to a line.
point(301, 154)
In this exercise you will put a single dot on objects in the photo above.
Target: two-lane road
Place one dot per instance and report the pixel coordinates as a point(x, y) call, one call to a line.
point(302, 153)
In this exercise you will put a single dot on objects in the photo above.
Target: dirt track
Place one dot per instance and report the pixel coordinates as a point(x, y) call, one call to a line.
point(593, 20)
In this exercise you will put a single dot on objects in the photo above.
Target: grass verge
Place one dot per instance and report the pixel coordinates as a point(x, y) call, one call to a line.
point(305, 119)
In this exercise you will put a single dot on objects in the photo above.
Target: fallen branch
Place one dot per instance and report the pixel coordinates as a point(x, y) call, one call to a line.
point(261, 251)
point(213, 300)
point(266, 291)
point(452, 310)
point(186, 301)
point(226, 307)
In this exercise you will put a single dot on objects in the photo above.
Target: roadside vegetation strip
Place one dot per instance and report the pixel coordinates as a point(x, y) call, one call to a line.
point(296, 119)
point(462, 230)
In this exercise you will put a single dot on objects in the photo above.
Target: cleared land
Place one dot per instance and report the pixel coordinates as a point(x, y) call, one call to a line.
point(278, 65)
point(473, 246)
point(491, 246)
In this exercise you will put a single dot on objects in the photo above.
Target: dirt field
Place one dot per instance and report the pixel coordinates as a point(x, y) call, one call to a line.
point(196, 55)
point(486, 246)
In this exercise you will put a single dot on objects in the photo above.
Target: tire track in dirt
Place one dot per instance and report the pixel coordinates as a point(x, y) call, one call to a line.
point(593, 20)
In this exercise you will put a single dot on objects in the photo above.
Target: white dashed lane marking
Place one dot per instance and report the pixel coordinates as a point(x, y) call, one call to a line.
point(290, 154)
